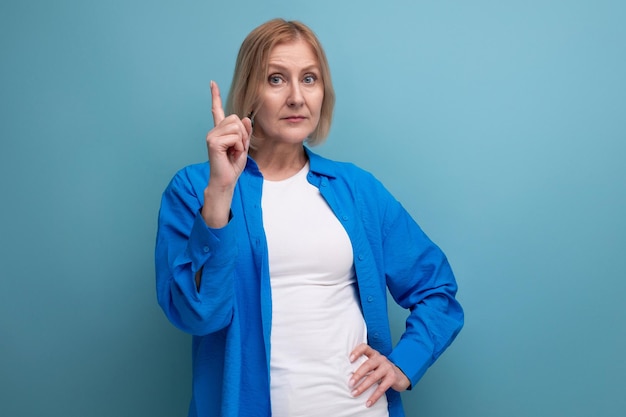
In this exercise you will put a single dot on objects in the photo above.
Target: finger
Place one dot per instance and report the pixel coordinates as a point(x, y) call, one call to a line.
point(363, 371)
point(369, 373)
point(360, 350)
point(245, 128)
point(247, 123)
point(235, 135)
point(380, 391)
point(368, 366)
point(216, 104)
point(230, 125)
point(381, 379)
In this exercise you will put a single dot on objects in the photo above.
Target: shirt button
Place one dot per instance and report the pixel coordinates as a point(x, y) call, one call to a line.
point(370, 299)
point(361, 257)
point(206, 249)
point(345, 217)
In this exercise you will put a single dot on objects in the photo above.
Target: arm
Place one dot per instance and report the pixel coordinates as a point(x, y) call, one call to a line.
point(420, 279)
point(196, 246)
point(186, 248)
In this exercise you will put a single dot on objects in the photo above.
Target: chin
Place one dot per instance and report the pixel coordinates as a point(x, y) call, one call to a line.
point(296, 137)
point(289, 135)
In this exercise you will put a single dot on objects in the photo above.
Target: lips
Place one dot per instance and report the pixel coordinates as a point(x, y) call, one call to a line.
point(295, 118)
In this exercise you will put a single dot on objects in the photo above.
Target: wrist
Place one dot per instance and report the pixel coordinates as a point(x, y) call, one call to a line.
point(216, 208)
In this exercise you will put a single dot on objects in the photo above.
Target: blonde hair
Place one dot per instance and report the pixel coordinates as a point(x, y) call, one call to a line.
point(251, 69)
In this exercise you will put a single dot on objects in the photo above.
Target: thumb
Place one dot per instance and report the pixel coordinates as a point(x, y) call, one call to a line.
point(247, 123)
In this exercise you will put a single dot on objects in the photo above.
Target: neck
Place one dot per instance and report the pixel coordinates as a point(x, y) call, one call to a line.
point(279, 163)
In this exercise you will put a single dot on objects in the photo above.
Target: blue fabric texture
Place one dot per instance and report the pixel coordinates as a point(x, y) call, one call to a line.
point(229, 315)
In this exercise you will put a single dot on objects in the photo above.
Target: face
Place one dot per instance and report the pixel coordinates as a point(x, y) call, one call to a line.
point(291, 96)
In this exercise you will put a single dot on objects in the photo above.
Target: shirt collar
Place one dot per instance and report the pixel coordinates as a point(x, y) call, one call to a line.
point(321, 165)
point(317, 164)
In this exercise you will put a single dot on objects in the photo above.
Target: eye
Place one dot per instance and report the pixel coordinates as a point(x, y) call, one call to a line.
point(309, 79)
point(275, 79)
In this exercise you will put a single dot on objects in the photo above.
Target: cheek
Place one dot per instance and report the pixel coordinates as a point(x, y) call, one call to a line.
point(318, 103)
point(263, 115)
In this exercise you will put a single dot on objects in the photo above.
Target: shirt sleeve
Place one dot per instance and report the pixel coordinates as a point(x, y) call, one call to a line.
point(184, 246)
point(421, 280)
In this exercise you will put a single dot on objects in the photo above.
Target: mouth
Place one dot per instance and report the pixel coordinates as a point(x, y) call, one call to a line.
point(294, 119)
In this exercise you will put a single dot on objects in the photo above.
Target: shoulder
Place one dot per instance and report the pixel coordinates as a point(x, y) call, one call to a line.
point(352, 176)
point(338, 169)
point(358, 186)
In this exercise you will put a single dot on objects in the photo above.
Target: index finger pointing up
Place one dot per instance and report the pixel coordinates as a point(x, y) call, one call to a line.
point(216, 106)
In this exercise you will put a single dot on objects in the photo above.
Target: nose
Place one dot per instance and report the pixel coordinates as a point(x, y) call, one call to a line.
point(295, 98)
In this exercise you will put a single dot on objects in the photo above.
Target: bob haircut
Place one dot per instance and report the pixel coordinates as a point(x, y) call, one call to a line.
point(249, 78)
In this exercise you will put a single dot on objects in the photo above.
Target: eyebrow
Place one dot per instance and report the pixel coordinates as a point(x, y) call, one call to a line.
point(312, 67)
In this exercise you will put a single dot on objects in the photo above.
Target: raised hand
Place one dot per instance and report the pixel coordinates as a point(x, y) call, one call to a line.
point(227, 145)
point(377, 369)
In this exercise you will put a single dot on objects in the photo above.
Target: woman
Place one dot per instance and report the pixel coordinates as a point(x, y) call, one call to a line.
point(278, 260)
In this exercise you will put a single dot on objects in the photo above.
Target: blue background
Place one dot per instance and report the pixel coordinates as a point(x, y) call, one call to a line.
point(499, 124)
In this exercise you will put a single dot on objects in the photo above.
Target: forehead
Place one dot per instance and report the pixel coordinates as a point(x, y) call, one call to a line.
point(298, 53)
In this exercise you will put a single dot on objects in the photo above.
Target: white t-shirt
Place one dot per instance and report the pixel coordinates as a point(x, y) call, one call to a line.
point(316, 316)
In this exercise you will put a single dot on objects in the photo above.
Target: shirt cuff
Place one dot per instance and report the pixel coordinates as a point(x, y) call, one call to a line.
point(205, 242)
point(412, 358)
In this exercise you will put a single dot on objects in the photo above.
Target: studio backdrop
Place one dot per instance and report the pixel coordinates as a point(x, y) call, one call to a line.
point(500, 126)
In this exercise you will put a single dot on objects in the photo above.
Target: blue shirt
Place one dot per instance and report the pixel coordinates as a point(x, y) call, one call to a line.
point(229, 315)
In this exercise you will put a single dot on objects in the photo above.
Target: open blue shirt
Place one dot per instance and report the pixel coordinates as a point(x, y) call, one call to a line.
point(229, 315)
